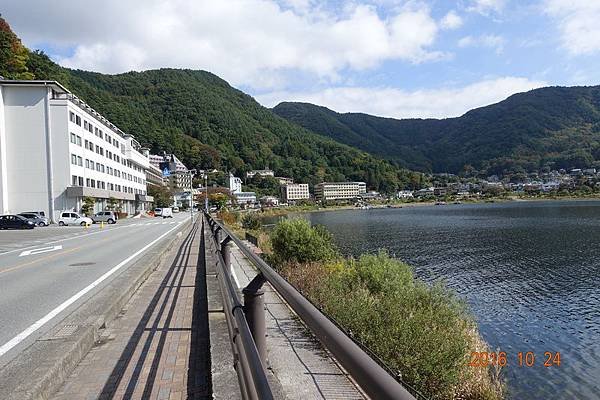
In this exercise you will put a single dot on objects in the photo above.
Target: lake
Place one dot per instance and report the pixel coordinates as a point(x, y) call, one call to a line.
point(529, 270)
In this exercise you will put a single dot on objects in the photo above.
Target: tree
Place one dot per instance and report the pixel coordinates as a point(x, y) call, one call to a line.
point(88, 205)
point(13, 55)
point(163, 197)
point(111, 204)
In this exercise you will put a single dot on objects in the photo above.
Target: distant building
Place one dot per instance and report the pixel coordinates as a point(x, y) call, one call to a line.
point(154, 176)
point(424, 192)
point(339, 190)
point(260, 172)
point(245, 197)
point(405, 194)
point(175, 173)
point(234, 184)
point(294, 191)
point(269, 201)
point(284, 181)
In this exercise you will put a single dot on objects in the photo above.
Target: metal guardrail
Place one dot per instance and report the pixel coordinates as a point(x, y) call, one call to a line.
point(373, 379)
point(249, 366)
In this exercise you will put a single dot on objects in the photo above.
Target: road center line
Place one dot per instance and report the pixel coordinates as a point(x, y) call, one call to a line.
point(45, 319)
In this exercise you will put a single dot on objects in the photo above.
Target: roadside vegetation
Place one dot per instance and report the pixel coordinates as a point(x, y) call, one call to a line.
point(424, 334)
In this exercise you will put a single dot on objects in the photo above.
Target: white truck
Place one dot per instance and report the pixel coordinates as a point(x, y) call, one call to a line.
point(167, 212)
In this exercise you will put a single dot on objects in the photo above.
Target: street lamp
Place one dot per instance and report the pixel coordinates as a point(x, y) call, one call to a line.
point(192, 172)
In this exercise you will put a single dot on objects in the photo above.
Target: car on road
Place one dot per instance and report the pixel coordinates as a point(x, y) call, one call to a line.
point(167, 212)
point(175, 209)
point(10, 221)
point(157, 212)
point(71, 218)
point(40, 213)
point(109, 217)
point(35, 218)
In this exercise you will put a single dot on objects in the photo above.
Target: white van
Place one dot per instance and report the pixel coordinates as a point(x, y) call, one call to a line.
point(157, 212)
point(167, 212)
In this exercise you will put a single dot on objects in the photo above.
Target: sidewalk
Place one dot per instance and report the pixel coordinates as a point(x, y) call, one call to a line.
point(158, 347)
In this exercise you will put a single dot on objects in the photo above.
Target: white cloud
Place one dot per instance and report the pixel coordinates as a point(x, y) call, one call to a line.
point(397, 103)
point(578, 21)
point(451, 21)
point(491, 41)
point(248, 42)
point(486, 7)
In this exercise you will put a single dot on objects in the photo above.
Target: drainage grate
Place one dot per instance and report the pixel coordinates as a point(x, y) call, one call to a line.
point(64, 332)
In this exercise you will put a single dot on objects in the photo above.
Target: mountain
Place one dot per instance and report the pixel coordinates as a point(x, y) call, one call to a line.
point(552, 127)
point(205, 122)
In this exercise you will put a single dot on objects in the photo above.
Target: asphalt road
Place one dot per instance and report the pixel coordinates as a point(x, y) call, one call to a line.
point(43, 270)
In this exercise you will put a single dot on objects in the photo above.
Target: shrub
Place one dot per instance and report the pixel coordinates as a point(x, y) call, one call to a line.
point(423, 332)
point(295, 240)
point(228, 217)
point(251, 221)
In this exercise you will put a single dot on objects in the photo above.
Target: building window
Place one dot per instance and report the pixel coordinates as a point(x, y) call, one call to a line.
point(74, 180)
point(80, 180)
point(78, 120)
point(85, 125)
point(78, 141)
point(101, 134)
point(79, 161)
point(71, 116)
point(73, 159)
point(73, 138)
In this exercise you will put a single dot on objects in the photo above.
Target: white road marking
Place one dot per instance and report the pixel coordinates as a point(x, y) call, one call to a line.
point(40, 250)
point(42, 321)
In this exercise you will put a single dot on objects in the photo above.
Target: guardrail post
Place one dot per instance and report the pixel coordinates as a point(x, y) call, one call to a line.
point(254, 309)
point(226, 250)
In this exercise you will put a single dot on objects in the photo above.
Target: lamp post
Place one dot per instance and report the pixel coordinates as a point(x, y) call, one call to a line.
point(192, 173)
point(206, 192)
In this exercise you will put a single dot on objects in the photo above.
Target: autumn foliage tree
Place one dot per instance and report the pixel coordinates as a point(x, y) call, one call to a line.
point(13, 55)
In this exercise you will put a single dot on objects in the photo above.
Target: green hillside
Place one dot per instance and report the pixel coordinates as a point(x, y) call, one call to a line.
point(206, 122)
point(553, 127)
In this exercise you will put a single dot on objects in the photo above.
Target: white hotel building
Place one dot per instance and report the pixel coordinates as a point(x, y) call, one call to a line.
point(55, 150)
point(294, 191)
point(339, 190)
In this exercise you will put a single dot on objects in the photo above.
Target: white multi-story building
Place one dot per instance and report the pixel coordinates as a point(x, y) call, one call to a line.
point(179, 178)
point(234, 184)
point(339, 190)
point(55, 150)
point(260, 172)
point(294, 191)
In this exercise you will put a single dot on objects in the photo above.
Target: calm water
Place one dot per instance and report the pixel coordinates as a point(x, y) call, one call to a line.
point(530, 272)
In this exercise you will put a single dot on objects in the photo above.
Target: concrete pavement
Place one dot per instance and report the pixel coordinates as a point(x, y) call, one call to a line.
point(38, 281)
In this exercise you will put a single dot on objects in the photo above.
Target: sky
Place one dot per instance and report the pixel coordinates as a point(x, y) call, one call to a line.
point(392, 58)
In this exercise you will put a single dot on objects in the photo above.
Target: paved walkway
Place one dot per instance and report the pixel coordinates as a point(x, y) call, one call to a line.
point(302, 368)
point(158, 347)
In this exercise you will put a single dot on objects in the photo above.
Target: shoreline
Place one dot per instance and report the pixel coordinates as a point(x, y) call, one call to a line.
point(274, 212)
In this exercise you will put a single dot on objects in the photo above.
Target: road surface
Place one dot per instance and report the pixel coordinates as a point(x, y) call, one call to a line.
point(48, 272)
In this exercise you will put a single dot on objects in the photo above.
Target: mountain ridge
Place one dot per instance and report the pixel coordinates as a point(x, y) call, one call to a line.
point(550, 127)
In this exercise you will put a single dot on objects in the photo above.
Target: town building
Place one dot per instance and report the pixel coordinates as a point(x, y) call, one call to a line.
point(284, 181)
point(269, 201)
point(294, 192)
point(234, 184)
point(154, 176)
point(405, 194)
point(339, 190)
point(176, 174)
point(260, 172)
point(55, 150)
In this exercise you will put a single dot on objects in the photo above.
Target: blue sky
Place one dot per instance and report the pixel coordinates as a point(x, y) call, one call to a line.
point(396, 58)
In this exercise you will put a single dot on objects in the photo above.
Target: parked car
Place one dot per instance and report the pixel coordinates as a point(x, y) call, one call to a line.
point(158, 212)
point(35, 218)
point(109, 217)
point(175, 209)
point(167, 212)
point(71, 218)
point(15, 222)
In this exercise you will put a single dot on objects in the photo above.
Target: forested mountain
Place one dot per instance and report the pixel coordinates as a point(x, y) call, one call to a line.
point(553, 127)
point(206, 122)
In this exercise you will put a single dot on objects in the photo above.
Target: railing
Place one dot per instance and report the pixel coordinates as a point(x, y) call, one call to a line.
point(374, 380)
point(249, 366)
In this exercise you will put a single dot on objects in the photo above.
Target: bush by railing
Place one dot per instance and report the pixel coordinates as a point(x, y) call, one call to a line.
point(426, 333)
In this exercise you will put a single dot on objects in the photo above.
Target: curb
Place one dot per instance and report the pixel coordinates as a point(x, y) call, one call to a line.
point(52, 357)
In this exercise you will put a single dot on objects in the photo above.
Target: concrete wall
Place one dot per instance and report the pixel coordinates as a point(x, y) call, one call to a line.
point(24, 122)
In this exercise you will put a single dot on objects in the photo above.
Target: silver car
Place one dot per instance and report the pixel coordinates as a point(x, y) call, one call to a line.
point(35, 218)
point(109, 217)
